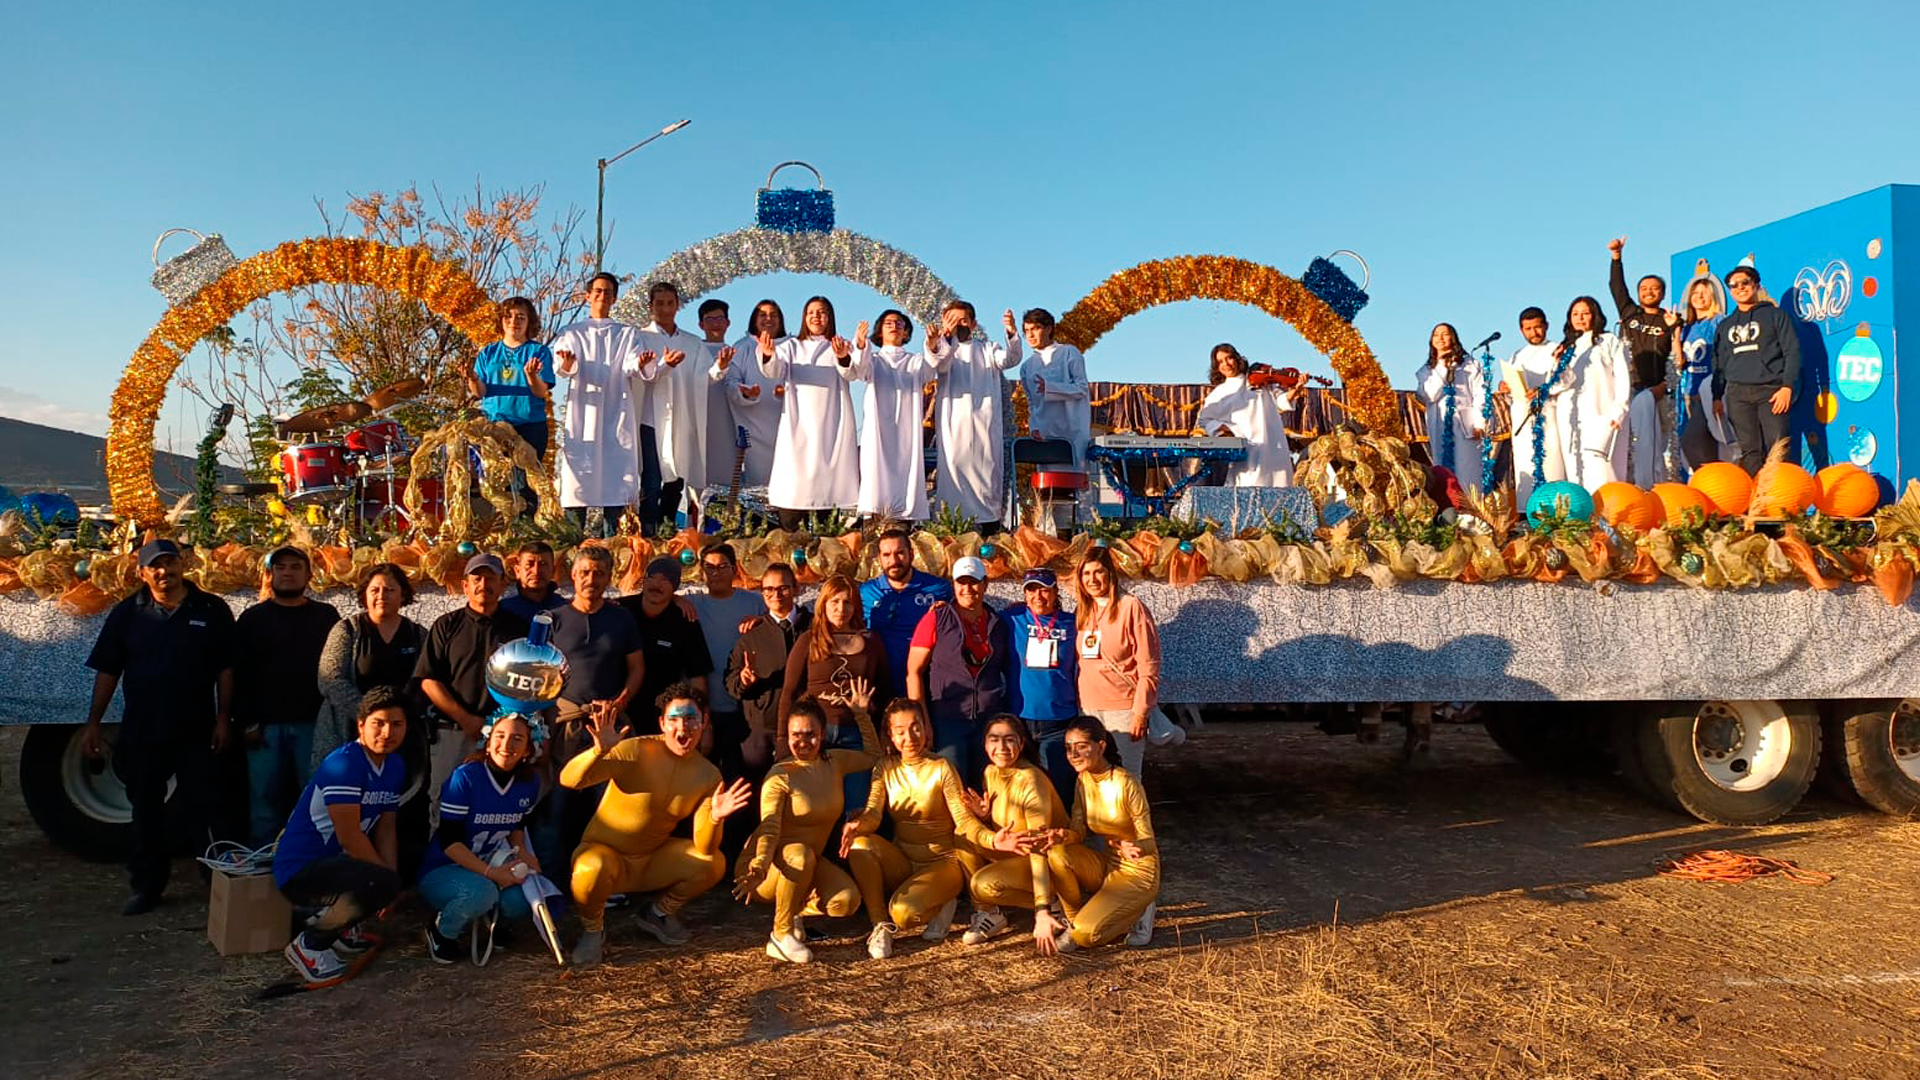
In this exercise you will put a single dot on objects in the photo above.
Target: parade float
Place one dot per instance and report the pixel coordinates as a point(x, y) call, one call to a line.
point(1719, 642)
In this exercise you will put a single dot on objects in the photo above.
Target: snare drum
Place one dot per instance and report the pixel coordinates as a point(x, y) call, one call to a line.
point(380, 443)
point(382, 502)
point(315, 473)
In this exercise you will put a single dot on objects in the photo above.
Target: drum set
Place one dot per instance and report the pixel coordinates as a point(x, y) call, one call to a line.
point(348, 460)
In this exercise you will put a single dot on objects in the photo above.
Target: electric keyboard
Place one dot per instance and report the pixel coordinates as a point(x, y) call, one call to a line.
point(1171, 444)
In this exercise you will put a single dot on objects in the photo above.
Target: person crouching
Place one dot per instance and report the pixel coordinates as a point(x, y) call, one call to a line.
point(480, 854)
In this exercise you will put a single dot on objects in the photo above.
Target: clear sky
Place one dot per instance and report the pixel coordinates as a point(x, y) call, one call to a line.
point(1479, 156)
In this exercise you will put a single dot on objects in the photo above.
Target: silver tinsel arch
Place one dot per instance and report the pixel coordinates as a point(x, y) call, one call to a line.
point(703, 268)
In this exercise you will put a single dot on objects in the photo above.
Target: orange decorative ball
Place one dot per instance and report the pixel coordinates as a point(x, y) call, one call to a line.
point(1847, 490)
point(1676, 499)
point(1620, 503)
point(1783, 489)
point(1727, 487)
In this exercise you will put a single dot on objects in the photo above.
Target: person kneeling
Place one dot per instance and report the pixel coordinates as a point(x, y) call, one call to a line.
point(1109, 803)
point(658, 781)
point(340, 850)
point(479, 855)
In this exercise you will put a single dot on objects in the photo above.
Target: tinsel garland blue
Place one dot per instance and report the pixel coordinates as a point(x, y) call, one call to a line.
point(1540, 412)
point(794, 210)
point(1489, 450)
point(1445, 457)
point(1108, 456)
point(1332, 285)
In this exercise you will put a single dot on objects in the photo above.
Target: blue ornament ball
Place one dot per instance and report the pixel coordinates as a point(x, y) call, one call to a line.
point(687, 557)
point(467, 549)
point(1186, 547)
point(986, 551)
point(799, 557)
point(527, 675)
point(1101, 542)
point(82, 569)
point(1546, 498)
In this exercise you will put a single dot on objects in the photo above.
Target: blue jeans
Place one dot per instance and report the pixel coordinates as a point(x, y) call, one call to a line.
point(1050, 747)
point(277, 772)
point(960, 742)
point(461, 896)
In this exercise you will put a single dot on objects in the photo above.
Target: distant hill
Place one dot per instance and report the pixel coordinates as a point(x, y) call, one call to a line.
point(34, 457)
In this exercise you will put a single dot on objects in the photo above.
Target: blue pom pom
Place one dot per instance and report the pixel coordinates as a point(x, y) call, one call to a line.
point(986, 551)
point(467, 549)
point(1332, 285)
point(1186, 547)
point(686, 557)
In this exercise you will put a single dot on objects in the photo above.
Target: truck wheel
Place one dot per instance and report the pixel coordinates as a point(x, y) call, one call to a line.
point(1556, 737)
point(78, 802)
point(1733, 762)
point(1882, 752)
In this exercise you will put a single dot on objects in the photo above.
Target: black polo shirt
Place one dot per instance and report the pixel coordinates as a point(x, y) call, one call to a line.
point(167, 662)
point(458, 645)
point(675, 649)
point(276, 662)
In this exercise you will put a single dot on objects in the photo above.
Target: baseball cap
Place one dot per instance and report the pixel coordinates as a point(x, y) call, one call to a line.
point(1040, 575)
point(666, 568)
point(154, 550)
point(287, 549)
point(486, 561)
point(968, 566)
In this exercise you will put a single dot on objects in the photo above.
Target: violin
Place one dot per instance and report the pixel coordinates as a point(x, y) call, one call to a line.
point(1288, 379)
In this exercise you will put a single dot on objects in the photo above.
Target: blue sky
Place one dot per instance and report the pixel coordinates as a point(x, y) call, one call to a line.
point(1479, 156)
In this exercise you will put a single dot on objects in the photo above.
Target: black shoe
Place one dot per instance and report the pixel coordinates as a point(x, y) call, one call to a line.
point(502, 936)
point(140, 903)
point(443, 950)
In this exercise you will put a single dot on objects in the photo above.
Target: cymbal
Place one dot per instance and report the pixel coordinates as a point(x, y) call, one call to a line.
point(326, 417)
point(395, 392)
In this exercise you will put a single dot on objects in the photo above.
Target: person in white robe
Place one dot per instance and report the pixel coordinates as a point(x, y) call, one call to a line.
point(1522, 377)
point(1257, 414)
point(678, 406)
point(893, 472)
point(1451, 373)
point(715, 318)
point(598, 359)
point(1059, 401)
point(968, 421)
point(816, 459)
point(1596, 392)
point(755, 399)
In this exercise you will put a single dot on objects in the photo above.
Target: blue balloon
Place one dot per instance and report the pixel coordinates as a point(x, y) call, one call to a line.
point(1546, 498)
point(527, 675)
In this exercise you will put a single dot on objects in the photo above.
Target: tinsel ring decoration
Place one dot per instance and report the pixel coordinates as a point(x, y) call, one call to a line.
point(1370, 396)
point(443, 287)
point(1377, 473)
point(500, 450)
point(706, 267)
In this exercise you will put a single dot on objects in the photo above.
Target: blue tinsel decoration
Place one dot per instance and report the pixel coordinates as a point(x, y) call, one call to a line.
point(1489, 450)
point(1539, 407)
point(1332, 285)
point(794, 210)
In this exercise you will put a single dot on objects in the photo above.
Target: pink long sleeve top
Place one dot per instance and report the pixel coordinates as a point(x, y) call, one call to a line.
point(1126, 673)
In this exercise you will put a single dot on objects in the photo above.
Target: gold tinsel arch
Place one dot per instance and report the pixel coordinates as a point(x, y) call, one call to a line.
point(443, 287)
point(1218, 277)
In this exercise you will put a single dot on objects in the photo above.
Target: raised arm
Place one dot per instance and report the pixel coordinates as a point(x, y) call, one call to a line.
point(1617, 280)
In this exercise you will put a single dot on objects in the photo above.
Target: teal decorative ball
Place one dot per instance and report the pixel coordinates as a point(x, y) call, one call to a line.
point(799, 557)
point(467, 549)
point(687, 557)
point(1186, 547)
point(82, 569)
point(1546, 499)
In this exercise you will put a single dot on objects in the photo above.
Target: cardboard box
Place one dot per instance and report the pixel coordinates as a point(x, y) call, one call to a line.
point(246, 914)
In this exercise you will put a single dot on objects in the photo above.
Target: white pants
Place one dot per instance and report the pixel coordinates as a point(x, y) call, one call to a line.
point(1119, 724)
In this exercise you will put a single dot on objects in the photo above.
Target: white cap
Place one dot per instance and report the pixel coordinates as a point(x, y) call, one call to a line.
point(968, 566)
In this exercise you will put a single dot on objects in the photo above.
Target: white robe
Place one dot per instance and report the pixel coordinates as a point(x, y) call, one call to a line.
point(1594, 395)
point(1647, 442)
point(720, 422)
point(1259, 417)
point(893, 472)
point(1529, 369)
point(1468, 386)
point(599, 441)
point(679, 406)
point(816, 462)
point(969, 429)
point(759, 415)
point(1065, 411)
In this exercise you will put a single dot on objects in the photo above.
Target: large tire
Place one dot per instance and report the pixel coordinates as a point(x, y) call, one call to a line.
point(1881, 748)
point(1567, 738)
point(1733, 762)
point(80, 804)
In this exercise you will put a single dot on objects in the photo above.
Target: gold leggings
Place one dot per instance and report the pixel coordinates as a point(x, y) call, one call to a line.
point(909, 889)
point(1073, 869)
point(1126, 888)
point(798, 882)
point(676, 866)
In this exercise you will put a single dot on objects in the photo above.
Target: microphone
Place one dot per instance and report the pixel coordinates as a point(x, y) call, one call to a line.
point(1490, 339)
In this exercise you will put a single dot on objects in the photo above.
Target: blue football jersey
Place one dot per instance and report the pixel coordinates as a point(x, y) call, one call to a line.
point(347, 776)
point(488, 812)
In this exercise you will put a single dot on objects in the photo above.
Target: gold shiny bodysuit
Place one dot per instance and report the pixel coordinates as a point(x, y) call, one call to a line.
point(629, 845)
point(1113, 805)
point(1023, 797)
point(800, 805)
point(906, 879)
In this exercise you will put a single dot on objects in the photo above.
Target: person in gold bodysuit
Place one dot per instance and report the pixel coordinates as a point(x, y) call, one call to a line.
point(1109, 803)
point(1020, 799)
point(785, 860)
point(653, 783)
point(915, 878)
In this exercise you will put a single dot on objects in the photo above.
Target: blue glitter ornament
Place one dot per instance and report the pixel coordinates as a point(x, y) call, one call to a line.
point(987, 550)
point(1186, 547)
point(467, 549)
point(1692, 563)
point(1545, 501)
point(1332, 285)
point(527, 675)
point(83, 569)
point(799, 557)
point(687, 557)
point(795, 210)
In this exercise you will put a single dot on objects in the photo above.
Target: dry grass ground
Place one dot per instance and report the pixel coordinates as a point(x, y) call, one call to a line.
point(1325, 914)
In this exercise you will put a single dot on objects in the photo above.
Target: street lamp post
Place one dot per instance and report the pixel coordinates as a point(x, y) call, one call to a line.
point(600, 202)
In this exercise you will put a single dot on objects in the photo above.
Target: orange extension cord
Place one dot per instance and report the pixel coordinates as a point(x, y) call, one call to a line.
point(1731, 866)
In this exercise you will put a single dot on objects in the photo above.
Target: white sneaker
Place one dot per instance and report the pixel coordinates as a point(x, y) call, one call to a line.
point(941, 922)
point(1142, 931)
point(790, 948)
point(314, 965)
point(880, 941)
point(986, 923)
